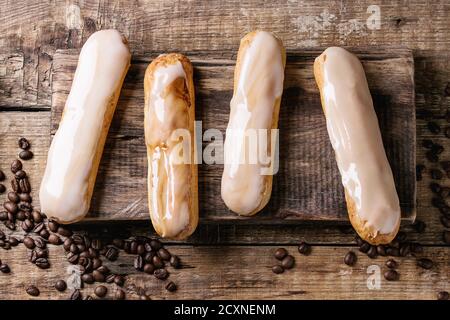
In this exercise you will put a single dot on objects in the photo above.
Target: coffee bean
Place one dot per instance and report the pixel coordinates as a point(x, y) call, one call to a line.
point(55, 240)
point(26, 155)
point(119, 243)
point(3, 215)
point(98, 276)
point(138, 263)
point(112, 254)
point(148, 257)
point(445, 221)
point(446, 237)
point(133, 247)
point(437, 148)
point(119, 280)
point(2, 188)
point(13, 241)
point(44, 234)
point(304, 248)
point(280, 253)
point(87, 278)
point(42, 263)
point(433, 127)
point(391, 264)
point(24, 144)
point(10, 225)
point(443, 295)
point(164, 254)
point(100, 291)
point(427, 143)
point(38, 227)
point(350, 258)
point(16, 165)
point(425, 263)
point(27, 225)
point(161, 274)
point(96, 244)
point(103, 269)
point(372, 253)
point(149, 268)
point(140, 249)
point(155, 244)
point(67, 243)
point(436, 174)
point(288, 262)
point(37, 217)
point(33, 291)
point(53, 226)
point(72, 258)
point(20, 174)
point(431, 156)
point(15, 186)
point(405, 249)
point(277, 269)
point(175, 262)
point(119, 295)
point(24, 206)
point(64, 231)
point(41, 253)
point(60, 285)
point(74, 248)
point(76, 295)
point(96, 263)
point(365, 247)
point(10, 207)
point(4, 268)
point(393, 252)
point(171, 287)
point(110, 278)
point(157, 262)
point(2, 176)
point(381, 250)
point(391, 275)
point(28, 242)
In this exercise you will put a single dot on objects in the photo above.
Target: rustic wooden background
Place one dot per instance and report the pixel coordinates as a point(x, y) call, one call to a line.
point(227, 261)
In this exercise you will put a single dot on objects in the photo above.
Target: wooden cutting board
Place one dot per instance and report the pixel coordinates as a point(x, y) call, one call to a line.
point(307, 186)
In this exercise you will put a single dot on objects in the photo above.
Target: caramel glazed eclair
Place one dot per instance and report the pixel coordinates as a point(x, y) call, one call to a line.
point(172, 170)
point(372, 200)
point(75, 152)
point(258, 86)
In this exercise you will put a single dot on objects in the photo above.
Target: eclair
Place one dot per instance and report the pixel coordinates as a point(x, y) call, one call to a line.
point(75, 152)
point(372, 201)
point(258, 85)
point(169, 122)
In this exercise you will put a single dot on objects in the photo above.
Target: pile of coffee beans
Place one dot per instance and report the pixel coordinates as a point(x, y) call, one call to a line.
point(285, 261)
point(81, 250)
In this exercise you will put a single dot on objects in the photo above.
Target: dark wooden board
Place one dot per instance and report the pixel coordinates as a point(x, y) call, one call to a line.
point(307, 186)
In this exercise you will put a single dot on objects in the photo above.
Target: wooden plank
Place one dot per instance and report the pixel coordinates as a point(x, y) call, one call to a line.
point(244, 272)
point(308, 185)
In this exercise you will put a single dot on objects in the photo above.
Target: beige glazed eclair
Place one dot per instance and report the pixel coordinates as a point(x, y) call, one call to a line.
point(372, 201)
point(75, 152)
point(170, 139)
point(258, 86)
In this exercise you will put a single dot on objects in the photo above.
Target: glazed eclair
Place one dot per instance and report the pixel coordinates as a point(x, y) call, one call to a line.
point(75, 152)
point(258, 86)
point(372, 200)
point(170, 139)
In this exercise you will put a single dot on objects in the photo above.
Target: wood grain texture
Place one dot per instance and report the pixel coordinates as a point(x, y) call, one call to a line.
point(308, 184)
point(244, 272)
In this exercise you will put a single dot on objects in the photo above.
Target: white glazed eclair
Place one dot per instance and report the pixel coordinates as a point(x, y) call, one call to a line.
point(75, 152)
point(170, 139)
point(372, 200)
point(258, 86)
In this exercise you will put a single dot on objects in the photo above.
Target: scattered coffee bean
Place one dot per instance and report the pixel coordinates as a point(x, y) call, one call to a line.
point(103, 269)
point(164, 254)
point(76, 295)
point(10, 225)
point(277, 269)
point(391, 275)
point(87, 278)
point(393, 252)
point(27, 225)
point(280, 253)
point(20, 174)
point(112, 254)
point(4, 268)
point(98, 276)
point(33, 291)
point(28, 242)
point(437, 148)
point(405, 249)
point(175, 262)
point(119, 294)
point(42, 263)
point(13, 241)
point(425, 263)
point(60, 285)
point(171, 287)
point(433, 127)
point(161, 274)
point(15, 186)
point(350, 258)
point(16, 165)
point(37, 217)
point(365, 247)
point(54, 239)
point(155, 244)
point(304, 248)
point(26, 155)
point(446, 236)
point(13, 197)
point(96, 263)
point(24, 185)
point(119, 243)
point(24, 144)
point(443, 295)
point(96, 244)
point(100, 291)
point(44, 233)
point(372, 253)
point(64, 232)
point(10, 207)
point(119, 280)
point(431, 156)
point(53, 225)
point(2, 176)
point(149, 268)
point(391, 264)
point(2, 188)
point(110, 278)
point(157, 262)
point(138, 263)
point(288, 262)
point(381, 250)
point(3, 215)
